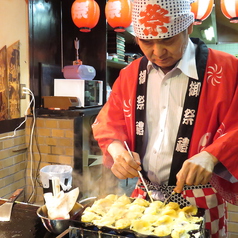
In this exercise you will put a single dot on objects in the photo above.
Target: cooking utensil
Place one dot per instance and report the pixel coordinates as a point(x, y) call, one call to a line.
point(64, 233)
point(58, 226)
point(55, 185)
point(141, 177)
point(6, 208)
point(167, 199)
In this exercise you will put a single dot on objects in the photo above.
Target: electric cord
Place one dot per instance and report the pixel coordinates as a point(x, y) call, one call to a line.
point(29, 92)
point(32, 102)
point(25, 118)
point(37, 174)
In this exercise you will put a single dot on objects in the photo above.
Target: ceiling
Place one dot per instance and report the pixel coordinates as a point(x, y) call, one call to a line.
point(225, 32)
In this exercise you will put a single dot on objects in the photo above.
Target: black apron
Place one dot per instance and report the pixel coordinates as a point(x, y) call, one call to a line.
point(188, 118)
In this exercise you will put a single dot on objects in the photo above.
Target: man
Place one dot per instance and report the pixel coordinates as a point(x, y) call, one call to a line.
point(177, 110)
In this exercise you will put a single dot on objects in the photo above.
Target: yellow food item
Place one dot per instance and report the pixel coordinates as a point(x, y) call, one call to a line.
point(124, 199)
point(162, 230)
point(116, 212)
point(133, 215)
point(169, 212)
point(157, 204)
point(150, 218)
point(154, 208)
point(89, 217)
point(104, 221)
point(122, 223)
point(141, 202)
point(105, 202)
point(100, 210)
point(172, 205)
point(163, 220)
point(141, 216)
point(136, 208)
point(141, 226)
point(112, 197)
point(191, 210)
point(181, 229)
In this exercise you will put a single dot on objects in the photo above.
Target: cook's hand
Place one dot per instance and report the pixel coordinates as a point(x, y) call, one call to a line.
point(196, 170)
point(124, 165)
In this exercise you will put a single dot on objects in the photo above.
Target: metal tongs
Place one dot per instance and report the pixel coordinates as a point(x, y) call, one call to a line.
point(141, 177)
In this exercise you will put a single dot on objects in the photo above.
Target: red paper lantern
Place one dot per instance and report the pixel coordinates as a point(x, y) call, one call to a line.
point(118, 14)
point(201, 9)
point(85, 14)
point(230, 10)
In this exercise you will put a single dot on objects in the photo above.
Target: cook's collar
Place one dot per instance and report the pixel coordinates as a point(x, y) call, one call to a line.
point(187, 64)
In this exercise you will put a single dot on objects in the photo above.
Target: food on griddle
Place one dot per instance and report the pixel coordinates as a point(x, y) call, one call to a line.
point(117, 213)
point(141, 216)
point(150, 218)
point(168, 211)
point(181, 229)
point(154, 208)
point(89, 216)
point(122, 223)
point(190, 210)
point(141, 226)
point(164, 220)
point(162, 230)
point(141, 202)
point(123, 200)
point(105, 221)
point(136, 208)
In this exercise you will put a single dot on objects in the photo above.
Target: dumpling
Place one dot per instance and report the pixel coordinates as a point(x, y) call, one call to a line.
point(105, 221)
point(173, 205)
point(104, 202)
point(122, 223)
point(116, 212)
point(169, 212)
point(89, 217)
point(150, 218)
point(181, 230)
point(180, 233)
point(154, 208)
point(112, 197)
point(141, 202)
point(162, 230)
point(141, 226)
point(98, 209)
point(150, 211)
point(136, 208)
point(163, 220)
point(133, 215)
point(124, 199)
point(157, 204)
point(191, 210)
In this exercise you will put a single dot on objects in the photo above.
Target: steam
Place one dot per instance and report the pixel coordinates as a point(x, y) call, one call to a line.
point(99, 182)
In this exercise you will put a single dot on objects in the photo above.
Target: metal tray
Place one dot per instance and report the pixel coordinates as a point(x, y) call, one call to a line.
point(90, 227)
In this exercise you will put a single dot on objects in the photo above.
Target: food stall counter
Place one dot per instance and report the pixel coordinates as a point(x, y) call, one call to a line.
point(24, 223)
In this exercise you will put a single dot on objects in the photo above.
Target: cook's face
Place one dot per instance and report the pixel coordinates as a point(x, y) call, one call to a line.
point(165, 52)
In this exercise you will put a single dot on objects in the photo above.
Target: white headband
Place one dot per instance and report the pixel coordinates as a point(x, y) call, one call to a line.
point(155, 19)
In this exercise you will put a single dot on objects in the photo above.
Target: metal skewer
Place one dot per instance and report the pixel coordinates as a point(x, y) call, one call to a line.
point(141, 177)
point(167, 199)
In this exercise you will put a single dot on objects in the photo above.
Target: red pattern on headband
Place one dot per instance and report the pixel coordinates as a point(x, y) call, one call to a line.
point(152, 17)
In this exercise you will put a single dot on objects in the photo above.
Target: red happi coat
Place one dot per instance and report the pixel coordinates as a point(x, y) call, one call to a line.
point(216, 126)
